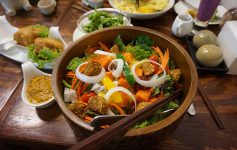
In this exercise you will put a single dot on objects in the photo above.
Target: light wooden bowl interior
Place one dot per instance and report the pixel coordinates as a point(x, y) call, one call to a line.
point(180, 57)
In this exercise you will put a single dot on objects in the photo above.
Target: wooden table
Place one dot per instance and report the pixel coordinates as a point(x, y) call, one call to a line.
point(48, 128)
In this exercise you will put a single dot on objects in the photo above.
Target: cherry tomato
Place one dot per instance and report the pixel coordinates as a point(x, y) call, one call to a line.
point(153, 57)
point(86, 96)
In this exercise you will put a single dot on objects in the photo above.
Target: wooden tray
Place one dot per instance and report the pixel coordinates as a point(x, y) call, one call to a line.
point(220, 69)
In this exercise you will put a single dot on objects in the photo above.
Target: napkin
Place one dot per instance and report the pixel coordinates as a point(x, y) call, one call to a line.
point(227, 39)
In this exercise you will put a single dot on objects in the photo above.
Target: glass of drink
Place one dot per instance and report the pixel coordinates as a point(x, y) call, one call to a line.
point(205, 12)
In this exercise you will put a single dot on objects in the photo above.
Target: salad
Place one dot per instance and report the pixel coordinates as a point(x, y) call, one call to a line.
point(42, 49)
point(121, 78)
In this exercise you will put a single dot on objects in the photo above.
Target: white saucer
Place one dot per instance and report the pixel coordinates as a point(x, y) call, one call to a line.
point(181, 8)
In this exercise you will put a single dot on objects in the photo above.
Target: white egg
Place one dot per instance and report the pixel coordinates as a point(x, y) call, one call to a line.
point(209, 55)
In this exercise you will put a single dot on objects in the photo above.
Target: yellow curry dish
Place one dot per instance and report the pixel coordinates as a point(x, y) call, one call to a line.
point(145, 6)
point(39, 89)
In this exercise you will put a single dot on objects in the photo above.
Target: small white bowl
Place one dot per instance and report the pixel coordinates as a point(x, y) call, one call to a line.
point(96, 3)
point(47, 7)
point(29, 72)
point(83, 20)
point(141, 16)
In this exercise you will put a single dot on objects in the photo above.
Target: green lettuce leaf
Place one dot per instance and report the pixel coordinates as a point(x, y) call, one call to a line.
point(74, 63)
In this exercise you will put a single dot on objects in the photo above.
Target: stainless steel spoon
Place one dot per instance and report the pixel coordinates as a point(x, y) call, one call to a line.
point(110, 119)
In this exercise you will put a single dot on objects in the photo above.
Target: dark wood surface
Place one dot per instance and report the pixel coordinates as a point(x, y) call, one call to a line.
point(49, 129)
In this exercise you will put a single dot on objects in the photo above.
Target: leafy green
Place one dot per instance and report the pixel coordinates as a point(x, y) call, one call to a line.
point(138, 52)
point(120, 43)
point(168, 87)
point(74, 63)
point(43, 31)
point(171, 64)
point(44, 56)
point(144, 42)
point(101, 19)
point(156, 91)
point(158, 115)
point(90, 113)
point(126, 71)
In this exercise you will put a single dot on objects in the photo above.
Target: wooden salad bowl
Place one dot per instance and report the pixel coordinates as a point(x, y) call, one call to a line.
point(180, 57)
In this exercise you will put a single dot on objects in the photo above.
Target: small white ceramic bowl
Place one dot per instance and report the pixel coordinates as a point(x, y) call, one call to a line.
point(96, 3)
point(141, 16)
point(83, 20)
point(29, 72)
point(47, 7)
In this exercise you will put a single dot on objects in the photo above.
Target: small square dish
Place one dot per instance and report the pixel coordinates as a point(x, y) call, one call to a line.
point(220, 69)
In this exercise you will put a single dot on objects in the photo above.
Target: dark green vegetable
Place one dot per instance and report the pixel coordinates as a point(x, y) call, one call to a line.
point(74, 63)
point(120, 43)
point(67, 85)
point(144, 42)
point(101, 19)
point(45, 55)
point(126, 71)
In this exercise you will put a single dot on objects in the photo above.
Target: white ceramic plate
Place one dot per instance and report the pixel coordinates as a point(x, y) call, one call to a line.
point(142, 16)
point(7, 31)
point(181, 8)
point(79, 32)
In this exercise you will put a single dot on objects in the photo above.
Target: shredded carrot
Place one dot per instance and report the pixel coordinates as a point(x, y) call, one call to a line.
point(104, 60)
point(79, 89)
point(118, 108)
point(128, 57)
point(74, 81)
point(91, 50)
point(157, 49)
point(152, 100)
point(164, 61)
point(84, 87)
point(87, 119)
point(167, 69)
point(104, 47)
point(70, 74)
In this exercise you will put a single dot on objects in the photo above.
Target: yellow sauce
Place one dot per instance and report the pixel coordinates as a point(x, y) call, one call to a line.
point(39, 89)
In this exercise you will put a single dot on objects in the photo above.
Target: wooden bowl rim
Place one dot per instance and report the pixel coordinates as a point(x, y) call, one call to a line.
point(141, 131)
